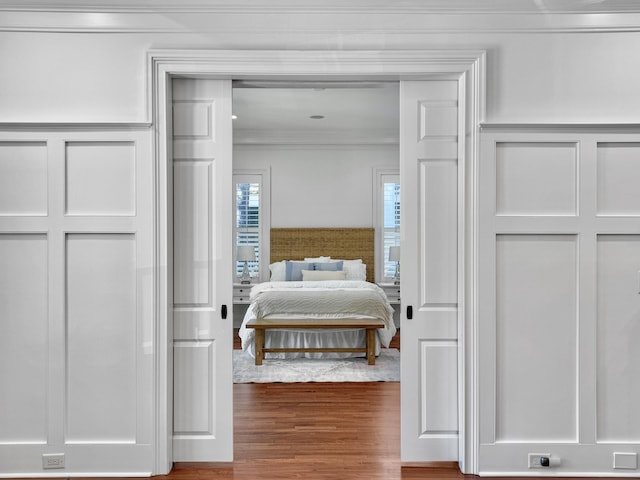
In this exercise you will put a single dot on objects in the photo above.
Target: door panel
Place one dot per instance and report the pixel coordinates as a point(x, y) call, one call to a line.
point(429, 284)
point(202, 266)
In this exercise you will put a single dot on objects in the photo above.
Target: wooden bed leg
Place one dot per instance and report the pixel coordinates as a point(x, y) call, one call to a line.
point(259, 345)
point(371, 346)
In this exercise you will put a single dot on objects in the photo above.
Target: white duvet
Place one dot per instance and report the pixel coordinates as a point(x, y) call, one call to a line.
point(321, 299)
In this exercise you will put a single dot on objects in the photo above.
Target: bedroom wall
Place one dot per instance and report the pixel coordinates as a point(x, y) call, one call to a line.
point(319, 185)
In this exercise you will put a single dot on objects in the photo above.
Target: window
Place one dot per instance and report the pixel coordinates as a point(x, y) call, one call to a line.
point(387, 221)
point(391, 208)
point(250, 220)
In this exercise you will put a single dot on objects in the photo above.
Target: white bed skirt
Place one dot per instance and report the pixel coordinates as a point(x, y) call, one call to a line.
point(313, 338)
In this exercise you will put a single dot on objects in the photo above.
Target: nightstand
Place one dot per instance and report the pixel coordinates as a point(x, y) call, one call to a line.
point(241, 293)
point(392, 291)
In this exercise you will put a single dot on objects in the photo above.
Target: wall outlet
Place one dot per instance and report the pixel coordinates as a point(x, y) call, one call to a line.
point(52, 460)
point(534, 460)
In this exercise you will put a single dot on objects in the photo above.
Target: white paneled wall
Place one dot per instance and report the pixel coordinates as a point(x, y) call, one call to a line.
point(559, 301)
point(76, 293)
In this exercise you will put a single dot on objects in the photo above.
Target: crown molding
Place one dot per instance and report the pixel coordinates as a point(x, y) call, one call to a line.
point(326, 6)
point(410, 18)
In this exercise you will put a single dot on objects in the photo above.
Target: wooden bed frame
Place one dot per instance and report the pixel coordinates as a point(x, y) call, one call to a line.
point(338, 243)
point(261, 325)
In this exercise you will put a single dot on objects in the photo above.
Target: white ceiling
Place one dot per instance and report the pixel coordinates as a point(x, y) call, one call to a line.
point(279, 109)
point(497, 6)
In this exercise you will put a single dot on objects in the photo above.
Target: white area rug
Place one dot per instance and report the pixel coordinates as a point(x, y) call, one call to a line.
point(386, 369)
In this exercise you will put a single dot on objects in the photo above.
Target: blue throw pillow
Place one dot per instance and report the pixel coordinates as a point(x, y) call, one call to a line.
point(293, 270)
point(328, 266)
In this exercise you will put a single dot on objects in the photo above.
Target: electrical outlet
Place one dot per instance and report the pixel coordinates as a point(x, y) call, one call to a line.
point(534, 459)
point(52, 460)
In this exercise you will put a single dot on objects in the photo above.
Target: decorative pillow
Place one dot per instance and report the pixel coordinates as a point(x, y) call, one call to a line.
point(294, 270)
point(327, 266)
point(318, 260)
point(317, 275)
point(356, 261)
point(278, 271)
point(355, 271)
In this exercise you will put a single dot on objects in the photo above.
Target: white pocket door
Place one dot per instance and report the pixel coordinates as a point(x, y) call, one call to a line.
point(202, 269)
point(429, 284)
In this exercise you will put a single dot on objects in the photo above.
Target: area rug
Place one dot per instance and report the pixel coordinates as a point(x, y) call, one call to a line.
point(300, 370)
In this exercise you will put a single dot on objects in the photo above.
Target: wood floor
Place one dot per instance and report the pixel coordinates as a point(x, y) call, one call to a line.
point(317, 431)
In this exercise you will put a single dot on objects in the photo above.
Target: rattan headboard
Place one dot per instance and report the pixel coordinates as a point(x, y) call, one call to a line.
point(339, 243)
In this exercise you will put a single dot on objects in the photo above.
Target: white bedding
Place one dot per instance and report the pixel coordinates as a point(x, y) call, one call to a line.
point(319, 299)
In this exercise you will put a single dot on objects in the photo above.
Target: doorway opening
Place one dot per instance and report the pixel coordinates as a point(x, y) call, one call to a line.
point(314, 154)
point(165, 66)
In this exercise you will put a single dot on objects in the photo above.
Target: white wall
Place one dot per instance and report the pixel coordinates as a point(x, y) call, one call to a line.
point(531, 77)
point(319, 185)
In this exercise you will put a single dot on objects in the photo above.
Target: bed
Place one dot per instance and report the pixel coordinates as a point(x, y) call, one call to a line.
point(319, 274)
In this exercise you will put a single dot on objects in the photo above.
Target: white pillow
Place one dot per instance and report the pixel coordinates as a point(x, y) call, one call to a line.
point(318, 259)
point(278, 271)
point(354, 261)
point(355, 271)
point(316, 275)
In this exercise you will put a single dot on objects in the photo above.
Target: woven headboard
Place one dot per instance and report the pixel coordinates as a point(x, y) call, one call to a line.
point(338, 243)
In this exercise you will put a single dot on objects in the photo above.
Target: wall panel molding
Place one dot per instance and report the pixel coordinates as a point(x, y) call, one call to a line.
point(82, 359)
point(559, 300)
point(562, 128)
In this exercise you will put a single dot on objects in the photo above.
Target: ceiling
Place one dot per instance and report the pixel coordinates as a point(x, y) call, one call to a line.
point(497, 6)
point(348, 109)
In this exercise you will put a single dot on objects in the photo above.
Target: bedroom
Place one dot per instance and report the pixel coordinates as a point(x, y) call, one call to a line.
point(318, 155)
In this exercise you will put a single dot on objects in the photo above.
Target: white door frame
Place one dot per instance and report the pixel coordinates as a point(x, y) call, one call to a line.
point(335, 65)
